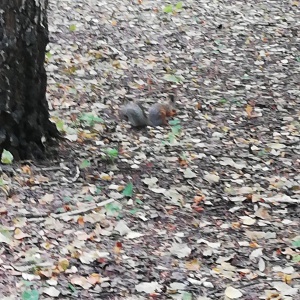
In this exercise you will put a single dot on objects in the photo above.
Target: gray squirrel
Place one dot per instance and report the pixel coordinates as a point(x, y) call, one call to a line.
point(158, 113)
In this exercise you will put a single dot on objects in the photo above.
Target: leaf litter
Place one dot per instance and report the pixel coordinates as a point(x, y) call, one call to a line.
point(207, 208)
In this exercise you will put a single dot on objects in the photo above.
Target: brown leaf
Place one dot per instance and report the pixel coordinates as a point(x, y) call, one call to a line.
point(80, 221)
point(94, 278)
point(118, 248)
point(26, 169)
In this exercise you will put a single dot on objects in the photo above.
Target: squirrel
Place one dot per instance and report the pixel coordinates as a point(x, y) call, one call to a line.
point(158, 113)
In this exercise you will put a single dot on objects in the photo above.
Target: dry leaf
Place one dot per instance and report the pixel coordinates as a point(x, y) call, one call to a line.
point(51, 291)
point(193, 265)
point(63, 264)
point(19, 234)
point(249, 110)
point(232, 293)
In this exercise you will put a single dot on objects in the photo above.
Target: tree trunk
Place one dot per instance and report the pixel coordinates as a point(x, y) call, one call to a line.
point(24, 116)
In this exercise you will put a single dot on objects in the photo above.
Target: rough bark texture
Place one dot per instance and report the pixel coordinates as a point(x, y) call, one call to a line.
point(24, 116)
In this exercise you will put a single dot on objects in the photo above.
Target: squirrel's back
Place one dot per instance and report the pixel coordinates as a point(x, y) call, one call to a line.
point(134, 114)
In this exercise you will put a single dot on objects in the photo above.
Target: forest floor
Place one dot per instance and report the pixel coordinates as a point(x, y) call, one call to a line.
point(206, 208)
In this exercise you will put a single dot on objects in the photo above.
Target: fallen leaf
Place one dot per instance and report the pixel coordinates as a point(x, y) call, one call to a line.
point(249, 110)
point(211, 178)
point(148, 287)
point(193, 265)
point(19, 234)
point(122, 228)
point(180, 250)
point(188, 173)
point(94, 278)
point(263, 213)
point(247, 220)
point(51, 291)
point(151, 182)
point(47, 198)
point(256, 253)
point(232, 293)
point(285, 289)
point(63, 264)
point(5, 239)
point(81, 281)
point(177, 286)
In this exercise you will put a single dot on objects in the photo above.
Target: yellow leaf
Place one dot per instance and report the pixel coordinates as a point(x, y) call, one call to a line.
point(63, 264)
point(287, 278)
point(193, 265)
point(249, 110)
point(47, 245)
point(19, 234)
point(105, 177)
point(236, 225)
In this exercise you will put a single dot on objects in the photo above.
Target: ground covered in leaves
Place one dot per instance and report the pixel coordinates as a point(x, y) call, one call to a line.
point(206, 208)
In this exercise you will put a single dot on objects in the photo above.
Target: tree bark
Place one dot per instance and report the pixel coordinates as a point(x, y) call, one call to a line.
point(24, 115)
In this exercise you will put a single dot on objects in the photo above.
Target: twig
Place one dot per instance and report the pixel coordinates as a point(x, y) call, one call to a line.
point(80, 211)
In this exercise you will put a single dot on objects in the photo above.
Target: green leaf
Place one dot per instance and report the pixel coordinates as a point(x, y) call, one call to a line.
point(173, 78)
point(174, 122)
point(261, 153)
point(84, 164)
point(72, 287)
point(168, 9)
point(138, 201)
point(90, 119)
point(30, 295)
point(89, 198)
point(60, 125)
point(98, 190)
point(296, 244)
point(60, 210)
point(296, 258)
point(133, 211)
point(7, 158)
point(67, 200)
point(112, 208)
point(187, 296)
point(175, 126)
point(223, 101)
point(128, 190)
point(179, 5)
point(72, 27)
point(112, 153)
point(176, 129)
point(48, 54)
point(172, 138)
